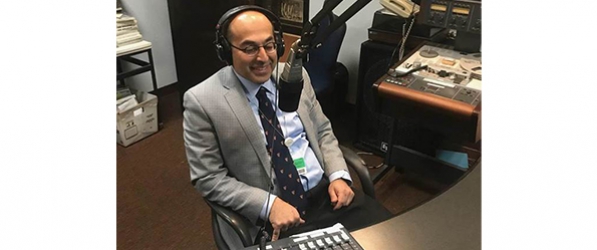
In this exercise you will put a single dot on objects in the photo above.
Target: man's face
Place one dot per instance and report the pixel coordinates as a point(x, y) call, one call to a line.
point(252, 28)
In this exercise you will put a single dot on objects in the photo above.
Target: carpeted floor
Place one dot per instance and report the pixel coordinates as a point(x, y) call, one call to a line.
point(157, 208)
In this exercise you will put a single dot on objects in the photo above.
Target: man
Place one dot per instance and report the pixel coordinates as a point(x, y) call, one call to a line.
point(230, 141)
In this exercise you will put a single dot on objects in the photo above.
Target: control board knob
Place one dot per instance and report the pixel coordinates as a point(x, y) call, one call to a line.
point(428, 53)
point(392, 72)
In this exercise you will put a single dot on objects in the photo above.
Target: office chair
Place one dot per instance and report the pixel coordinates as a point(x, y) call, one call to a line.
point(241, 225)
point(328, 77)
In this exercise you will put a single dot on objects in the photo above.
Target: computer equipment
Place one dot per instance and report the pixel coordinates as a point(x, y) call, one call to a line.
point(439, 88)
point(451, 74)
point(464, 16)
point(387, 27)
point(335, 237)
point(461, 15)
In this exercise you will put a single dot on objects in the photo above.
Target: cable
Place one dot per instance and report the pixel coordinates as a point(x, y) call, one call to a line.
point(402, 41)
point(405, 36)
point(392, 57)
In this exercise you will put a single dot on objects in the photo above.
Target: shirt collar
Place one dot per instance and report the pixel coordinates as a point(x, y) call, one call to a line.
point(251, 88)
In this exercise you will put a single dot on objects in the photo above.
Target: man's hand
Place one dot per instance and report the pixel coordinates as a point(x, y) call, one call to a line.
point(340, 193)
point(283, 216)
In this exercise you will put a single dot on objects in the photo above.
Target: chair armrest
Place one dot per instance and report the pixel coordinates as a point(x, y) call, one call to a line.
point(239, 223)
point(354, 161)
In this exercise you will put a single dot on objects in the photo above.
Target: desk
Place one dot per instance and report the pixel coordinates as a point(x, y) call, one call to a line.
point(451, 220)
point(126, 53)
point(450, 113)
point(450, 120)
point(144, 66)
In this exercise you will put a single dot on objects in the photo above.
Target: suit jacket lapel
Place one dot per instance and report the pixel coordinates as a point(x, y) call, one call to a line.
point(237, 100)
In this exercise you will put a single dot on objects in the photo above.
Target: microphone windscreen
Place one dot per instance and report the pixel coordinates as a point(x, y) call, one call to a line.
point(289, 96)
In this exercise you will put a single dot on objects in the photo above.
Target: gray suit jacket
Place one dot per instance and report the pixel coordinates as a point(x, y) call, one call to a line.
point(228, 160)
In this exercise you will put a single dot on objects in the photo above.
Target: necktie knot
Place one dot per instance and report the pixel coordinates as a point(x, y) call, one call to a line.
point(262, 94)
point(265, 106)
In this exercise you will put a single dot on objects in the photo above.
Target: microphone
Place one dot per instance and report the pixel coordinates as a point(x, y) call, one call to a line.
point(291, 81)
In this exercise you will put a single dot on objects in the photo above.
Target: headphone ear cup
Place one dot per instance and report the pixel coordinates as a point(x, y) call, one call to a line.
point(280, 44)
point(219, 51)
point(226, 53)
point(223, 50)
point(223, 55)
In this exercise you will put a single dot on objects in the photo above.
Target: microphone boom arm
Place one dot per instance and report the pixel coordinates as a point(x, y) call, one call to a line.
point(291, 79)
point(308, 40)
point(310, 27)
point(351, 11)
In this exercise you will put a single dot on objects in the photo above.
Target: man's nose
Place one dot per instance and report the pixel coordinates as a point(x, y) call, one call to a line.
point(262, 54)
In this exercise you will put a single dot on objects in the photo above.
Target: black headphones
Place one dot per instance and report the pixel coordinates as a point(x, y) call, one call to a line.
point(223, 48)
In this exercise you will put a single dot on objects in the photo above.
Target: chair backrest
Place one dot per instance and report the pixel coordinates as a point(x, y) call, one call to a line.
point(322, 60)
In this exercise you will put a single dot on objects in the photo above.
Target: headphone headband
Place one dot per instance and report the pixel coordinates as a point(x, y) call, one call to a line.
point(223, 48)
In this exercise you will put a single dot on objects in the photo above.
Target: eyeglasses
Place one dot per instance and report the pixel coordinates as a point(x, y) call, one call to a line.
point(252, 50)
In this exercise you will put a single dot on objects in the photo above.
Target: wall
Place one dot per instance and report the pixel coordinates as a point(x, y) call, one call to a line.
point(356, 33)
point(154, 25)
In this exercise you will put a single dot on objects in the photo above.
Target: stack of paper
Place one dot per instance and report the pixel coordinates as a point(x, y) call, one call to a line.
point(118, 9)
point(127, 31)
point(128, 37)
point(126, 103)
point(131, 48)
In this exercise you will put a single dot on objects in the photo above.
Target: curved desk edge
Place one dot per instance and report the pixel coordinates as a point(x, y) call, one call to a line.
point(451, 220)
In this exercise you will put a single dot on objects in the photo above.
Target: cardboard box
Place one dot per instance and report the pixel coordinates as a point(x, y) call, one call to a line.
point(139, 121)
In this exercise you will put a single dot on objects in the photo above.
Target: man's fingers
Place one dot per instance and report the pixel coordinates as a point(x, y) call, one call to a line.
point(349, 200)
point(275, 234)
point(341, 201)
point(333, 197)
point(297, 223)
point(300, 222)
point(338, 206)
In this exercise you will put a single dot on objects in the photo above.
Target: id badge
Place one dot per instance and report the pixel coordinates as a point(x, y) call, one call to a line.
point(300, 166)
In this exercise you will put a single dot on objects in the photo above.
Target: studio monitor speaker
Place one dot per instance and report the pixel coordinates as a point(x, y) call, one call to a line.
point(372, 127)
